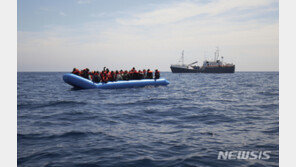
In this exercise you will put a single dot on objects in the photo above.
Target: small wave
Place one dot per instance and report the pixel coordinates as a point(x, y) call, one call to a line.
point(209, 118)
point(172, 132)
point(88, 164)
point(37, 156)
point(207, 133)
point(226, 100)
point(179, 110)
point(154, 101)
point(50, 104)
point(97, 151)
point(32, 136)
point(141, 161)
point(272, 131)
point(254, 117)
point(269, 93)
point(268, 106)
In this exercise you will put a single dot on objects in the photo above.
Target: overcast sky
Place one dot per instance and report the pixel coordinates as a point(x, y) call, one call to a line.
point(57, 35)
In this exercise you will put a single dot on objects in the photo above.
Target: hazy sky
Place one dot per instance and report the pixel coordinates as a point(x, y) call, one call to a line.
point(55, 35)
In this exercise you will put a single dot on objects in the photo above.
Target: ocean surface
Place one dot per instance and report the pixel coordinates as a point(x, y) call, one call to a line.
point(185, 123)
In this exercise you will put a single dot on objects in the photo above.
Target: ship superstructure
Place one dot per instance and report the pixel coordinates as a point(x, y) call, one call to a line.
point(184, 68)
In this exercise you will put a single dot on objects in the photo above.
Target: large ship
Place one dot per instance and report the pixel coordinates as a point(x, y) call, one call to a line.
point(215, 66)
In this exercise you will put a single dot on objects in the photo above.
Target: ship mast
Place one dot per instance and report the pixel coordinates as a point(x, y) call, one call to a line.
point(216, 54)
point(182, 58)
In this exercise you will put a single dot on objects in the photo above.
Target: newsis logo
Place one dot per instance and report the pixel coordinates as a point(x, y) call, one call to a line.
point(240, 155)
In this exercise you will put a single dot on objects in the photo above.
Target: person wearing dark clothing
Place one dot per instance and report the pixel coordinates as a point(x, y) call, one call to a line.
point(104, 79)
point(149, 74)
point(85, 73)
point(111, 76)
point(156, 74)
point(136, 75)
point(131, 75)
point(141, 75)
point(116, 75)
point(125, 75)
point(96, 77)
point(144, 74)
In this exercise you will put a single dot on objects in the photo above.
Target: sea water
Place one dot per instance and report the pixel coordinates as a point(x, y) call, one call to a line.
point(186, 123)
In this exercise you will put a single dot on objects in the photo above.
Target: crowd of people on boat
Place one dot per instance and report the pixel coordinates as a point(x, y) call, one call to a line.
point(106, 75)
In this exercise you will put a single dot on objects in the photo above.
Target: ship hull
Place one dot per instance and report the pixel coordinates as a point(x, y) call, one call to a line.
point(183, 70)
point(229, 69)
point(222, 69)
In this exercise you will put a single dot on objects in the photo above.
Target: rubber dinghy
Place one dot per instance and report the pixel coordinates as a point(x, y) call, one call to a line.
point(82, 83)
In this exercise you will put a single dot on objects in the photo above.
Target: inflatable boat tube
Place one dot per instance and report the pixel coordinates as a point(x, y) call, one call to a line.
point(82, 83)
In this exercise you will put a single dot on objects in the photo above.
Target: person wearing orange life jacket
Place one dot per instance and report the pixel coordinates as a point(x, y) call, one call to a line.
point(96, 77)
point(114, 75)
point(149, 74)
point(82, 73)
point(131, 74)
point(106, 73)
point(104, 79)
point(141, 75)
point(133, 69)
point(156, 74)
point(102, 74)
point(75, 71)
point(136, 75)
point(91, 75)
point(111, 76)
point(85, 73)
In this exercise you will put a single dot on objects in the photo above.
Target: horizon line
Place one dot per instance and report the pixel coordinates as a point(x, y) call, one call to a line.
point(162, 71)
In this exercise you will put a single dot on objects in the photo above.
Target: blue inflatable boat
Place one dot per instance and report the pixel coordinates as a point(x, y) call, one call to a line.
point(82, 83)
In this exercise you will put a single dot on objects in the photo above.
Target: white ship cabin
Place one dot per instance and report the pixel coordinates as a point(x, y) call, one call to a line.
point(212, 63)
point(216, 61)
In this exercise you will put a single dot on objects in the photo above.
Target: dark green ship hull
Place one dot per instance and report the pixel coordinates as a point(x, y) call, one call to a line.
point(221, 69)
